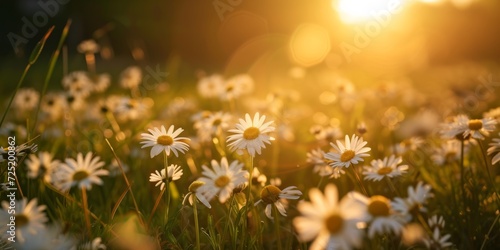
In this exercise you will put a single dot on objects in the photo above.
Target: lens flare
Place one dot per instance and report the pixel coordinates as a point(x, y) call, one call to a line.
point(309, 45)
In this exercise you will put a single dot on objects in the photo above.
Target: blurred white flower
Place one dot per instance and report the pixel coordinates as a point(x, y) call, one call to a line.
point(332, 223)
point(81, 172)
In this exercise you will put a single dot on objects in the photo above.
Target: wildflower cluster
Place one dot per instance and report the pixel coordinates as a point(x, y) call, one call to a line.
point(229, 162)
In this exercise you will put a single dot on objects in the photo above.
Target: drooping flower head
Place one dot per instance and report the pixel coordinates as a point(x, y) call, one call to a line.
point(251, 134)
point(272, 195)
point(194, 191)
point(163, 140)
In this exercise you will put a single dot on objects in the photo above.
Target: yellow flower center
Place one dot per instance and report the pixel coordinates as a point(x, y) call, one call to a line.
point(347, 155)
point(222, 181)
point(80, 175)
point(378, 206)
point(21, 220)
point(165, 140)
point(475, 124)
point(195, 185)
point(334, 223)
point(251, 133)
point(384, 171)
point(270, 194)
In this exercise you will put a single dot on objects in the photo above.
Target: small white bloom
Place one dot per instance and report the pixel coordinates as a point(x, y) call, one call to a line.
point(174, 173)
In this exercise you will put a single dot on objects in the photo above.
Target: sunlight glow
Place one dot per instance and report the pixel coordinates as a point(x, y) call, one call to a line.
point(309, 45)
point(356, 11)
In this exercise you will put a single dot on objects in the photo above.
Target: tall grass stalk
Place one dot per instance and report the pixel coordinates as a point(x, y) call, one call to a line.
point(126, 180)
point(167, 185)
point(52, 64)
point(277, 226)
point(86, 211)
point(33, 58)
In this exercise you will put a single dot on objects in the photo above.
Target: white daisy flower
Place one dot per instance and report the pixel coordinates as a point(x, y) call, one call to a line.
point(237, 86)
point(29, 218)
point(88, 46)
point(131, 109)
point(494, 148)
point(417, 198)
point(271, 194)
point(131, 77)
point(350, 152)
point(328, 133)
point(194, 191)
point(475, 128)
point(436, 221)
point(52, 106)
point(42, 165)
point(26, 99)
point(78, 84)
point(436, 241)
point(321, 164)
point(101, 82)
point(211, 86)
point(388, 167)
point(51, 237)
point(174, 173)
point(333, 224)
point(95, 244)
point(379, 214)
point(163, 140)
point(493, 113)
point(81, 172)
point(448, 152)
point(251, 134)
point(479, 128)
point(222, 179)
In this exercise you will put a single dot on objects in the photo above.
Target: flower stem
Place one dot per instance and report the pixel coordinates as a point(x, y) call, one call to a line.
point(359, 180)
point(86, 210)
point(249, 200)
point(277, 226)
point(462, 176)
point(196, 225)
point(167, 186)
point(391, 185)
